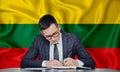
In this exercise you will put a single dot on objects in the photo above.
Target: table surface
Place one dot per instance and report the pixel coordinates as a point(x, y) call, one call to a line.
point(56, 70)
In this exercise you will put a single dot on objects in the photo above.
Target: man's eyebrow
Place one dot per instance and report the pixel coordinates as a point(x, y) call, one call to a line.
point(51, 34)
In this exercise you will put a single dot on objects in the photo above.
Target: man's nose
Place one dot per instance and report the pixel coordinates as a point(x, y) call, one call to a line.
point(52, 38)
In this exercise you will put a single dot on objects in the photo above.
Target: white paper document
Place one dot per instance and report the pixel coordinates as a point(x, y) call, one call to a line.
point(43, 68)
point(69, 67)
point(56, 67)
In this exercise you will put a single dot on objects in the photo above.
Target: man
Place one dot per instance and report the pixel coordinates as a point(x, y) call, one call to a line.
point(56, 48)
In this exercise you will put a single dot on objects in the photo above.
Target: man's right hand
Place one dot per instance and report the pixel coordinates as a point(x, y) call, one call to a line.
point(53, 63)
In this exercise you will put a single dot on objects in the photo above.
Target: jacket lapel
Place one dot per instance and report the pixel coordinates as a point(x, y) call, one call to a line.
point(46, 46)
point(64, 42)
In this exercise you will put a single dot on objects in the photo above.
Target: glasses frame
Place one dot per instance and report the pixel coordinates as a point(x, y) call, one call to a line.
point(54, 35)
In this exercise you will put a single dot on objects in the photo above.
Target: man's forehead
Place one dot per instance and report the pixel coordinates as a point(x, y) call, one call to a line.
point(52, 29)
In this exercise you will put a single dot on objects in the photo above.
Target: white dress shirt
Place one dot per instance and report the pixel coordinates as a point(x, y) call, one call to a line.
point(60, 50)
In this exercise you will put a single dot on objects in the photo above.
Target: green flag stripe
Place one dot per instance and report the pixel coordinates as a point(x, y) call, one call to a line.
point(91, 35)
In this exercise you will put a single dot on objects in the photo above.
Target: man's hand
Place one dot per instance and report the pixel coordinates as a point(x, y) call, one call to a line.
point(53, 63)
point(70, 62)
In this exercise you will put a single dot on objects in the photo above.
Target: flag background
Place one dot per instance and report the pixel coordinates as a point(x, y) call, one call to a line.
point(96, 22)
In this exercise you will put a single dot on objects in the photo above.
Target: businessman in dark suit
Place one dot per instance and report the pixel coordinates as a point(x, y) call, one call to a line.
point(56, 48)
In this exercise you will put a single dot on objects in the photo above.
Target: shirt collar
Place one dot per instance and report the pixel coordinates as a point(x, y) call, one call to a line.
point(60, 39)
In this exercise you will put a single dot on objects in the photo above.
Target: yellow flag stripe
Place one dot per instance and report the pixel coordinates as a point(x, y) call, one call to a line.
point(65, 11)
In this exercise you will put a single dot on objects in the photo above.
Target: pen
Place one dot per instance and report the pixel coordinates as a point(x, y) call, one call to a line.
point(70, 53)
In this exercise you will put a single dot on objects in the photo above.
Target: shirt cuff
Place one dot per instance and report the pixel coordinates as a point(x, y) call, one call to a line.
point(43, 63)
point(80, 63)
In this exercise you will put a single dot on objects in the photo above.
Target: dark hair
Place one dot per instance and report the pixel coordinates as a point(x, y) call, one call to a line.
point(46, 21)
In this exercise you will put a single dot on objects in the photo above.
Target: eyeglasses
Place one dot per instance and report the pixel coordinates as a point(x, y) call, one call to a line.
point(54, 35)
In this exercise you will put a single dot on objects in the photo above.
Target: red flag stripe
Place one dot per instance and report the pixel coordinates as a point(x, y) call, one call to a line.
point(104, 57)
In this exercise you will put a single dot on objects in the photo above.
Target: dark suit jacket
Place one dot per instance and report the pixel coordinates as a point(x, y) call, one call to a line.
point(40, 47)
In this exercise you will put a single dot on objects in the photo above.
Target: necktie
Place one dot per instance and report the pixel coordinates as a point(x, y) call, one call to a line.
point(56, 53)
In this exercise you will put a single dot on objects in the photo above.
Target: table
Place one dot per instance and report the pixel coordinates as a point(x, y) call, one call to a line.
point(56, 70)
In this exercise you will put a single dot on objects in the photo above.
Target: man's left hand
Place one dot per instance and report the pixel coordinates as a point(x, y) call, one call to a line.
point(70, 62)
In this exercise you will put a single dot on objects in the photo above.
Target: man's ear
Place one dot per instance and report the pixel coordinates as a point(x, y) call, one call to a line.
point(59, 27)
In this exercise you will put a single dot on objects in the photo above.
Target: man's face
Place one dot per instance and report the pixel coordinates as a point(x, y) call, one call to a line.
point(52, 34)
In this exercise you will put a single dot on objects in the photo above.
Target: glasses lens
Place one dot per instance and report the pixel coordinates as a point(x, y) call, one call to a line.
point(55, 34)
point(48, 37)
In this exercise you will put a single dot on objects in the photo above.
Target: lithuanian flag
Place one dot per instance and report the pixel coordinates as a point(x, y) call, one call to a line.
point(96, 22)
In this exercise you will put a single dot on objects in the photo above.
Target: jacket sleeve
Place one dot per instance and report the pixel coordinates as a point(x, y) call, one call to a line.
point(82, 54)
point(29, 59)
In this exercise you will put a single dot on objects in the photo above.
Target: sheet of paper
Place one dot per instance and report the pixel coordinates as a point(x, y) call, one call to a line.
point(56, 67)
point(43, 68)
point(69, 67)
point(64, 67)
